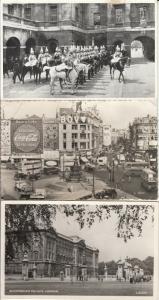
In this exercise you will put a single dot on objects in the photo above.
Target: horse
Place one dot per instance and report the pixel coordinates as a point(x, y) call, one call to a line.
point(82, 72)
point(36, 70)
point(119, 65)
point(61, 75)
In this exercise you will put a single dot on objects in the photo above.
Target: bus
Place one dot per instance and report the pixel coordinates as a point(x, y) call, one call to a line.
point(149, 179)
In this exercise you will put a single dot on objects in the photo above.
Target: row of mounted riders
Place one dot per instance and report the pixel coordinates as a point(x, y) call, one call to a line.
point(86, 68)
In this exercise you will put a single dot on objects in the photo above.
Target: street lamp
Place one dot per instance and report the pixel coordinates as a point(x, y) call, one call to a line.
point(93, 184)
point(113, 177)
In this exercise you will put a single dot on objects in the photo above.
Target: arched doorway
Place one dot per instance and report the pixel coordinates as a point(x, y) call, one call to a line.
point(52, 44)
point(30, 43)
point(80, 43)
point(147, 47)
point(137, 49)
point(13, 48)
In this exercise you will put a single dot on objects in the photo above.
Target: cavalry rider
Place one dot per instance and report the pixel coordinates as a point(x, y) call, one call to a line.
point(32, 58)
point(41, 55)
point(117, 55)
point(47, 56)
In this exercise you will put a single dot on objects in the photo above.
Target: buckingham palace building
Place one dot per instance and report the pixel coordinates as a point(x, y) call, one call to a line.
point(27, 26)
point(48, 253)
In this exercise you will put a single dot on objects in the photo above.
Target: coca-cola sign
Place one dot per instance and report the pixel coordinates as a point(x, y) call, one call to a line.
point(27, 136)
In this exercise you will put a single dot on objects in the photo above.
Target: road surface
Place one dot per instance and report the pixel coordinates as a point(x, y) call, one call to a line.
point(139, 83)
point(131, 185)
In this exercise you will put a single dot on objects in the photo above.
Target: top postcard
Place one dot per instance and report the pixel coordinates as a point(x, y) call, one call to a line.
point(80, 50)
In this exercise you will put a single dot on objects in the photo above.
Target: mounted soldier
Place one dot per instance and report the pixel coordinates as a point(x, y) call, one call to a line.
point(47, 56)
point(41, 56)
point(117, 55)
point(32, 59)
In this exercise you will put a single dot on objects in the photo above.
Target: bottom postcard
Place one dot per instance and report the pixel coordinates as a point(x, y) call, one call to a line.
point(78, 250)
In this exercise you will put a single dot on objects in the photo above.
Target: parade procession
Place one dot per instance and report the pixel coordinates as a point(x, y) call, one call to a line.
point(71, 65)
point(81, 49)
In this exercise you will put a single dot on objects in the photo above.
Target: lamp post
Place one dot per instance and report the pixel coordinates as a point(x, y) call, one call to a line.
point(93, 184)
point(25, 263)
point(63, 167)
point(113, 177)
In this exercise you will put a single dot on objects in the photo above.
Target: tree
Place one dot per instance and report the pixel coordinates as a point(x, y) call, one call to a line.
point(30, 217)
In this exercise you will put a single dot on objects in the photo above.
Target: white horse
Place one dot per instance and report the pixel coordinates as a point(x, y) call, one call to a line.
point(55, 72)
point(83, 67)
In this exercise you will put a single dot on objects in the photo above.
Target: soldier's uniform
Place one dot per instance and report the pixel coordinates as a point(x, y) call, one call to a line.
point(41, 56)
point(32, 59)
point(117, 55)
point(47, 55)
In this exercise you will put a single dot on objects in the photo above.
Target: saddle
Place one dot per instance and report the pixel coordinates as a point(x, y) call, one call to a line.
point(61, 68)
point(30, 63)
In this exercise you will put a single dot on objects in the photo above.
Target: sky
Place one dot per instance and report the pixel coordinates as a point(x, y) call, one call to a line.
point(117, 113)
point(103, 236)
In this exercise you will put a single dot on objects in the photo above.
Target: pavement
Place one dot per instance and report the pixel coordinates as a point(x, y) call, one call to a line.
point(139, 82)
point(58, 189)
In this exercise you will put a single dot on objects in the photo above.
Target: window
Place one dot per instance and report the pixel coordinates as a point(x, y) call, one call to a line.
point(119, 15)
point(77, 14)
point(142, 13)
point(74, 145)
point(74, 127)
point(82, 136)
point(82, 145)
point(74, 135)
point(11, 9)
point(27, 12)
point(53, 13)
point(83, 127)
point(64, 126)
point(64, 135)
point(64, 145)
point(97, 19)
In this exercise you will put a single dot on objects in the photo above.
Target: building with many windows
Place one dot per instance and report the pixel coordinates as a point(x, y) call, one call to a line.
point(80, 131)
point(144, 133)
point(52, 25)
point(51, 253)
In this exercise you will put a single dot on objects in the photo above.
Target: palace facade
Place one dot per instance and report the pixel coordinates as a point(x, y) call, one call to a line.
point(52, 25)
point(51, 253)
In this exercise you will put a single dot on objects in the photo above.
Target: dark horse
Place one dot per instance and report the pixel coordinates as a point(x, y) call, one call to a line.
point(120, 65)
point(35, 70)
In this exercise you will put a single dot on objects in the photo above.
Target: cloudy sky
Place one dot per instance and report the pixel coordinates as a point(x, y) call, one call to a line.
point(103, 236)
point(117, 113)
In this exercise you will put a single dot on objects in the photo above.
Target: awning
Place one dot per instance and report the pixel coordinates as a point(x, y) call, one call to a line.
point(84, 159)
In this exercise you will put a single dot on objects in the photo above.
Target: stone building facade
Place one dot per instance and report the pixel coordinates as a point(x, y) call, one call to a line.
point(36, 25)
point(144, 133)
point(51, 253)
point(80, 131)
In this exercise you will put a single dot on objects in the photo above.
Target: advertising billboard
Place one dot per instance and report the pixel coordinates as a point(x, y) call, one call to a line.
point(51, 135)
point(5, 138)
point(27, 136)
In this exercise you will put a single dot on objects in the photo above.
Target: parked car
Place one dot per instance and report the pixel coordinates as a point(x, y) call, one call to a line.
point(108, 193)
